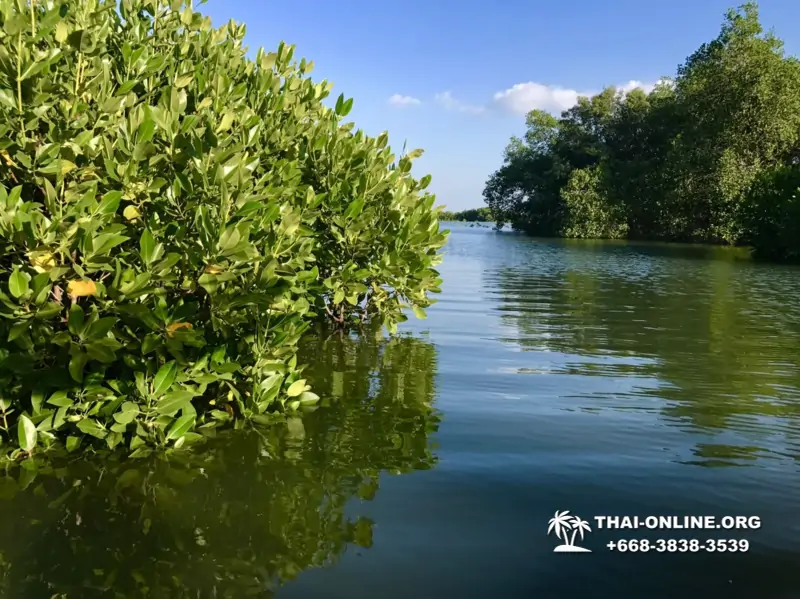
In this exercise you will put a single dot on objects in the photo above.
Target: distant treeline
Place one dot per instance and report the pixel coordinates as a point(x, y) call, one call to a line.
point(474, 215)
point(710, 156)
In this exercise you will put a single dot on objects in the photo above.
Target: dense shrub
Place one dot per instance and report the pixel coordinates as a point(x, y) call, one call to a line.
point(172, 216)
point(677, 163)
point(589, 212)
point(772, 215)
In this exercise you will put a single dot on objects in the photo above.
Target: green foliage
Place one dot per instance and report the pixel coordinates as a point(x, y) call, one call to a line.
point(740, 101)
point(678, 163)
point(377, 239)
point(591, 215)
point(173, 215)
point(772, 215)
point(473, 215)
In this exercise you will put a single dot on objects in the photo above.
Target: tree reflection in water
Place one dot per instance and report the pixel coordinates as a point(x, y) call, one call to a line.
point(241, 515)
point(712, 338)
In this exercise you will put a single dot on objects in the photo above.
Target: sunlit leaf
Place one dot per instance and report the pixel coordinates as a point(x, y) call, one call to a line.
point(181, 426)
point(165, 377)
point(91, 427)
point(296, 388)
point(26, 431)
point(18, 283)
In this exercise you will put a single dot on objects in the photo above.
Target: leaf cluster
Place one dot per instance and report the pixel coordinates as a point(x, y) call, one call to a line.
point(173, 216)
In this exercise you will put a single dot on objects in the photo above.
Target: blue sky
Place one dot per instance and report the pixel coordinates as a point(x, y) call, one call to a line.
point(463, 72)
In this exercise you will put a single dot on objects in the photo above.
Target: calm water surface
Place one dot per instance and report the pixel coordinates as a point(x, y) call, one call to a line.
point(600, 378)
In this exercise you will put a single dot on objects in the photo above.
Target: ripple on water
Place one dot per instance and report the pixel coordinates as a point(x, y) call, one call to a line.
point(603, 378)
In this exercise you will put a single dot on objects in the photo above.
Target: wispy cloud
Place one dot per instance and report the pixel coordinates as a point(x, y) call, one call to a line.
point(400, 101)
point(524, 97)
point(447, 100)
point(636, 84)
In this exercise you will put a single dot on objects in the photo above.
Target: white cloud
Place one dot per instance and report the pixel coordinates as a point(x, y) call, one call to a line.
point(524, 97)
point(636, 84)
point(447, 100)
point(400, 101)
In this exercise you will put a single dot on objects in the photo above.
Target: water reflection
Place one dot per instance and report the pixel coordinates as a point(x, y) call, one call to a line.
point(710, 346)
point(247, 513)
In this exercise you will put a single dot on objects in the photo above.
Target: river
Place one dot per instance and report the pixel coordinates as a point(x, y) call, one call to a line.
point(603, 378)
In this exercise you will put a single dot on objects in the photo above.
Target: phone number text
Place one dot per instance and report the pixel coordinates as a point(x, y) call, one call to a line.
point(680, 546)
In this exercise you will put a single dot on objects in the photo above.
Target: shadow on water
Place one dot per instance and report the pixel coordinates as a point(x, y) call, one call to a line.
point(238, 518)
point(690, 251)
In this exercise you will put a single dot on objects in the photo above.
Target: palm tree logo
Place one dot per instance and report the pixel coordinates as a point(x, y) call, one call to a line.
point(561, 524)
